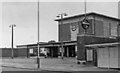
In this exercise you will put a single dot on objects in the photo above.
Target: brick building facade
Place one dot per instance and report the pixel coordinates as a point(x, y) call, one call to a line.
point(103, 32)
point(100, 25)
point(103, 29)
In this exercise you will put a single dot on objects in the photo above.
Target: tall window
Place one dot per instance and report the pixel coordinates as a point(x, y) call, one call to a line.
point(109, 29)
point(113, 28)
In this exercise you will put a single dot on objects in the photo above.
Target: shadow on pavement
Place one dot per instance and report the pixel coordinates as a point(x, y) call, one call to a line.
point(20, 68)
point(60, 72)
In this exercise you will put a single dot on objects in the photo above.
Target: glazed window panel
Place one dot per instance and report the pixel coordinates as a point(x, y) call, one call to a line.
point(74, 31)
point(113, 29)
point(90, 29)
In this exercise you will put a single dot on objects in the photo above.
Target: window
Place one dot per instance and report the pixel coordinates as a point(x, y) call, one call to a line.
point(113, 29)
point(109, 29)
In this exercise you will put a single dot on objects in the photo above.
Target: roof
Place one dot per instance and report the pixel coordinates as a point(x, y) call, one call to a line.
point(102, 45)
point(91, 13)
point(50, 44)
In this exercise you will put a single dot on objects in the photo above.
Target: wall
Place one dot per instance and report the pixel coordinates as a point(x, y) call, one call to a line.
point(22, 52)
point(109, 25)
point(64, 32)
point(65, 29)
point(99, 26)
point(89, 39)
point(70, 28)
point(98, 30)
point(119, 55)
point(6, 52)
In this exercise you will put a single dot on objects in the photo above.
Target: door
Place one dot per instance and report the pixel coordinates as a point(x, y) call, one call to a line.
point(103, 57)
point(113, 57)
point(89, 55)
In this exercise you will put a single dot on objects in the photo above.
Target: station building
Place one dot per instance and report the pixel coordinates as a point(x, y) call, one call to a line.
point(99, 46)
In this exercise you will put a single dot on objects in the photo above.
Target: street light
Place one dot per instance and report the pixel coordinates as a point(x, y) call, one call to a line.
point(85, 25)
point(85, 22)
point(61, 17)
point(38, 51)
point(12, 26)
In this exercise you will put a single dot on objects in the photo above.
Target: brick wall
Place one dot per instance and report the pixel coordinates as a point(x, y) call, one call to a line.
point(64, 32)
point(98, 28)
point(7, 52)
point(87, 39)
point(22, 52)
point(107, 27)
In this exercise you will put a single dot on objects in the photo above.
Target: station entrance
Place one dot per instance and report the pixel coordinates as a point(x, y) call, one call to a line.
point(53, 49)
point(68, 51)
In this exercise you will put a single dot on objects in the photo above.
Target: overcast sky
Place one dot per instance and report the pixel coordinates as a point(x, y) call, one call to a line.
point(24, 16)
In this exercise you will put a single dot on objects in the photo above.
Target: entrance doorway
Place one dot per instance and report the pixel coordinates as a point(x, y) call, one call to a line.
point(69, 51)
point(91, 56)
point(54, 52)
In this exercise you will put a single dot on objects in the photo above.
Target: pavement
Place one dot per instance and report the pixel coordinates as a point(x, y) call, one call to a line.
point(50, 64)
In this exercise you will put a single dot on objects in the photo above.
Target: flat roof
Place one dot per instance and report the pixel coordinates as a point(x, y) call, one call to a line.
point(91, 13)
point(50, 44)
point(104, 44)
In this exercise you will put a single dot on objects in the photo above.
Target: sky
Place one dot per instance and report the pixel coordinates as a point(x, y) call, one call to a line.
point(24, 16)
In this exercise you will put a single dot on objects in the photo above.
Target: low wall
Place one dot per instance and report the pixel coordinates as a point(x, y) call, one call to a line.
point(7, 52)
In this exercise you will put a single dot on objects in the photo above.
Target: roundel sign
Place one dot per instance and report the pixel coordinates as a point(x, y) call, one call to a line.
point(74, 27)
point(85, 23)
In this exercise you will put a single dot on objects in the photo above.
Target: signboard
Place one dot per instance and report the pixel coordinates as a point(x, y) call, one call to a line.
point(85, 23)
point(31, 51)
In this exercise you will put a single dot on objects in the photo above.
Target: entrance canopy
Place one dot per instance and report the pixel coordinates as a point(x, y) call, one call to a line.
point(103, 45)
point(49, 44)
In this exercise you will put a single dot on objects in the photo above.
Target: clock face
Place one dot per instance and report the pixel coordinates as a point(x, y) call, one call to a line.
point(74, 28)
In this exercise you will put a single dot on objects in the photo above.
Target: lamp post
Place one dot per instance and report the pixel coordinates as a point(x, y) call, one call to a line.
point(85, 25)
point(85, 22)
point(61, 17)
point(38, 51)
point(12, 53)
